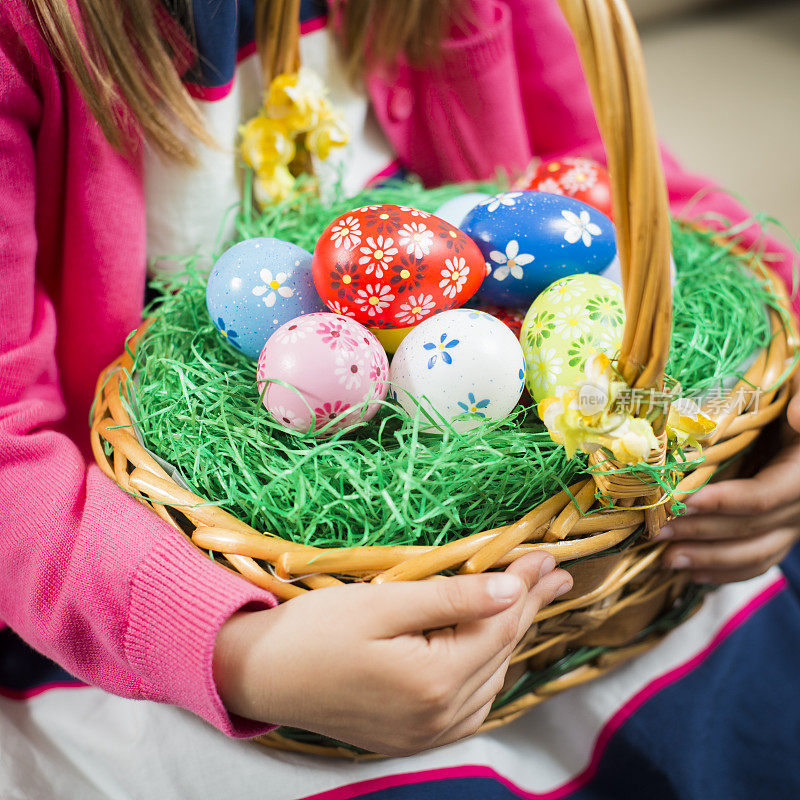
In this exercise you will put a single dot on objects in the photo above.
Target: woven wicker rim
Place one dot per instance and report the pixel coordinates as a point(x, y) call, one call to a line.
point(552, 527)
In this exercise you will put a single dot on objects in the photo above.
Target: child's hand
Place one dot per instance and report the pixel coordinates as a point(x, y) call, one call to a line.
point(738, 529)
point(354, 662)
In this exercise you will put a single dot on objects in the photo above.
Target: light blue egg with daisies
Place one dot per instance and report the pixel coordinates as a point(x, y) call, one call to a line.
point(530, 239)
point(255, 287)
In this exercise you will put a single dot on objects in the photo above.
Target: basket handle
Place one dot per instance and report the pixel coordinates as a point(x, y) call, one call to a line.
point(611, 54)
point(278, 34)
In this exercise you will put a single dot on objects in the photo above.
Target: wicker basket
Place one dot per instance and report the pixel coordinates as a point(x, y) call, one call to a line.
point(622, 602)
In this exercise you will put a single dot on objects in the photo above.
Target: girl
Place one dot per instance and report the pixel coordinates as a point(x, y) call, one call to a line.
point(118, 125)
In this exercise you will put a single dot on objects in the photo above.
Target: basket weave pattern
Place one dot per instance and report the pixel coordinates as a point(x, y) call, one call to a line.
point(619, 587)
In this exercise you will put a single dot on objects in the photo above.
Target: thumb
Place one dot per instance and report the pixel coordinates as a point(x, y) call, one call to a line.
point(416, 606)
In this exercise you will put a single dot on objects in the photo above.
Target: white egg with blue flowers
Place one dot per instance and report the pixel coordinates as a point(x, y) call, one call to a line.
point(460, 367)
point(614, 271)
point(530, 239)
point(255, 287)
point(455, 209)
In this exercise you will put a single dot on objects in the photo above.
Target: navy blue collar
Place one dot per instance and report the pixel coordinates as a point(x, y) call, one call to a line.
point(224, 31)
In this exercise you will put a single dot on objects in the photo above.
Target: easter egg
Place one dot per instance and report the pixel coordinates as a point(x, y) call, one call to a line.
point(581, 178)
point(511, 317)
point(455, 209)
point(390, 338)
point(570, 320)
point(393, 266)
point(462, 365)
point(330, 365)
point(255, 287)
point(530, 239)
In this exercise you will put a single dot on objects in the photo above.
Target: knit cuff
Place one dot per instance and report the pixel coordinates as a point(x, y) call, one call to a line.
point(179, 600)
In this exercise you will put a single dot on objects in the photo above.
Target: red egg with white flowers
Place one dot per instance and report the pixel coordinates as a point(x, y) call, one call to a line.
point(512, 318)
point(581, 178)
point(393, 266)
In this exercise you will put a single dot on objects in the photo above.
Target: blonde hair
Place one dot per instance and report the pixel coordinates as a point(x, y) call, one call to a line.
point(126, 55)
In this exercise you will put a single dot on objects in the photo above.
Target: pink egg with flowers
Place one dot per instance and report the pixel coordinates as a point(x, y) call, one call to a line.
point(322, 372)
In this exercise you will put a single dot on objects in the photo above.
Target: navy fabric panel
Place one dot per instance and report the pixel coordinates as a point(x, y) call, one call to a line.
point(313, 9)
point(222, 28)
point(399, 174)
point(730, 730)
point(22, 668)
point(457, 788)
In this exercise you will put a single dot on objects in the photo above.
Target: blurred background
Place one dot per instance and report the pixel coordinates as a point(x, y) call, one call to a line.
point(725, 84)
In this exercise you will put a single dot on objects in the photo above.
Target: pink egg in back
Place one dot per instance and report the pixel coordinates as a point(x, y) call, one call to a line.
point(332, 363)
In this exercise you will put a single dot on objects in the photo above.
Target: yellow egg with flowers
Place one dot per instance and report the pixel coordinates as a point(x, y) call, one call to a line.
point(566, 323)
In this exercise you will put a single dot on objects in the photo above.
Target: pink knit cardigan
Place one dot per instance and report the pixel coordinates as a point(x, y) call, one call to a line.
point(90, 577)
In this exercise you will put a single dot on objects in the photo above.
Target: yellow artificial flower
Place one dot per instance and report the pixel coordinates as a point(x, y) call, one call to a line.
point(296, 120)
point(328, 133)
point(297, 99)
point(551, 409)
point(273, 185)
point(686, 422)
point(266, 143)
point(632, 441)
point(566, 424)
point(583, 418)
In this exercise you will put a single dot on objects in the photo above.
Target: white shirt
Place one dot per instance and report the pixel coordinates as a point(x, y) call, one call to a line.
point(190, 210)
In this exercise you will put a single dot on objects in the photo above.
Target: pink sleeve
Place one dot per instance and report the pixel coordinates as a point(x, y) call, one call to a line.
point(430, 115)
point(555, 98)
point(89, 577)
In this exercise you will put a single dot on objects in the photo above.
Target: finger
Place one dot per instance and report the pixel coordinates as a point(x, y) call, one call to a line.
point(530, 570)
point(549, 584)
point(718, 577)
point(415, 606)
point(468, 702)
point(495, 638)
point(726, 526)
point(465, 728)
point(482, 686)
point(758, 553)
point(546, 591)
point(778, 484)
point(468, 648)
point(473, 648)
point(793, 410)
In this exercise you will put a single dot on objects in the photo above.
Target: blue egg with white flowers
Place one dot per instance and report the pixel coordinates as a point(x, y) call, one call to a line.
point(255, 287)
point(530, 239)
